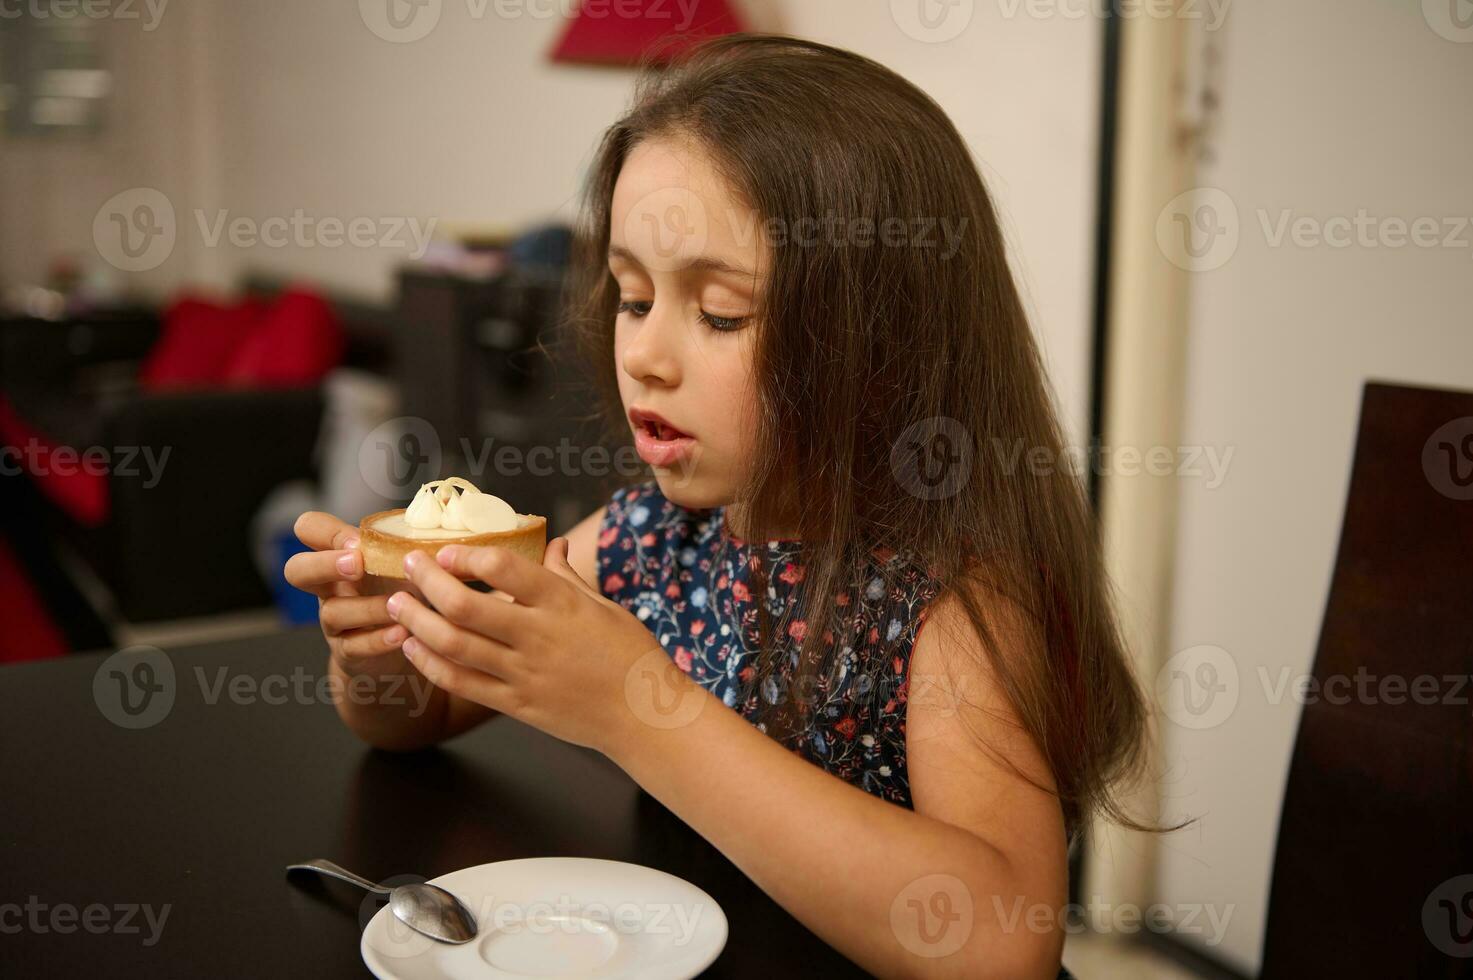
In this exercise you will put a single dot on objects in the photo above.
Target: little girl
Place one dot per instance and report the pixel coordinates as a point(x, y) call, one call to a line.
point(843, 632)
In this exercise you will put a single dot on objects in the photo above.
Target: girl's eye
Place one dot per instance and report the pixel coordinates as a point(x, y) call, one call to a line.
point(641, 308)
point(722, 323)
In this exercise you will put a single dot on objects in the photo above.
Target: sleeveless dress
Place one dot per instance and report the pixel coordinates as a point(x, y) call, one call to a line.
point(687, 578)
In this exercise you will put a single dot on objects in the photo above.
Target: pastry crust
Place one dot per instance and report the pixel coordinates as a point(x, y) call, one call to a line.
point(383, 554)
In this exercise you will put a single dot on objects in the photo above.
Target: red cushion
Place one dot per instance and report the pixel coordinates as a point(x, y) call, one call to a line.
point(76, 484)
point(30, 632)
point(198, 339)
point(298, 342)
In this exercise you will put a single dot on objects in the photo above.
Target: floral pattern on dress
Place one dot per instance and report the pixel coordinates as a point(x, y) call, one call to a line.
point(689, 581)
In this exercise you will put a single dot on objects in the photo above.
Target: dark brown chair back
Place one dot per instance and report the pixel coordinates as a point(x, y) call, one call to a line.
point(1373, 875)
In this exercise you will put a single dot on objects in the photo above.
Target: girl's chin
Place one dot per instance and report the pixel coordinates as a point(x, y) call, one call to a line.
point(687, 490)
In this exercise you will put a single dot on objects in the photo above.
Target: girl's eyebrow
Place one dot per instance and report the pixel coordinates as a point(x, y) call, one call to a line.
point(704, 263)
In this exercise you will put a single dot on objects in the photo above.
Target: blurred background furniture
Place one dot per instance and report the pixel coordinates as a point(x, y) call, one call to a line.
point(480, 360)
point(205, 420)
point(1373, 870)
point(163, 524)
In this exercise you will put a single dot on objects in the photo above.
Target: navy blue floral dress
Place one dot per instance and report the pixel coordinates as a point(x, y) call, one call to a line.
point(689, 580)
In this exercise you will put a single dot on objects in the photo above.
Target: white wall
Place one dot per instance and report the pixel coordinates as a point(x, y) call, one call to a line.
point(1328, 107)
point(267, 107)
point(50, 190)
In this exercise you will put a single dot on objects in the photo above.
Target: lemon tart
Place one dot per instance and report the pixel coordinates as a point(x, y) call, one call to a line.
point(449, 511)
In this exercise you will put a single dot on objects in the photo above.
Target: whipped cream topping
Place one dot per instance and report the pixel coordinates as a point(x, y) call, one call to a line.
point(454, 504)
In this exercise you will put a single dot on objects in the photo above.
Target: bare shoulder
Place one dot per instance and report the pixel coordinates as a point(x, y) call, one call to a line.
point(583, 546)
point(970, 759)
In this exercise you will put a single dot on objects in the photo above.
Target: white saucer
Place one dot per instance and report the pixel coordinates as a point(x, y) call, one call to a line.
point(559, 917)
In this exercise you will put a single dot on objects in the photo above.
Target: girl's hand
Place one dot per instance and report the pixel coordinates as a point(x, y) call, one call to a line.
point(551, 652)
point(360, 634)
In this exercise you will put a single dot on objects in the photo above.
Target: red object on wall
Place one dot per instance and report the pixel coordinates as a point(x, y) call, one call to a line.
point(620, 32)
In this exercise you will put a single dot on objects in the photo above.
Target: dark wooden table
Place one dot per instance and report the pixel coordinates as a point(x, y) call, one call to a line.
point(200, 812)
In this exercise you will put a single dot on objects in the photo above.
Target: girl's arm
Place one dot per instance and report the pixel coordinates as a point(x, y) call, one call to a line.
point(971, 884)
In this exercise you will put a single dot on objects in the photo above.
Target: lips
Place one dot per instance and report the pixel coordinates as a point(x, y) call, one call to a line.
point(656, 425)
point(657, 441)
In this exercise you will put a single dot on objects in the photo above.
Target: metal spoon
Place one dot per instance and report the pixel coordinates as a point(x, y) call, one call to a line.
point(425, 908)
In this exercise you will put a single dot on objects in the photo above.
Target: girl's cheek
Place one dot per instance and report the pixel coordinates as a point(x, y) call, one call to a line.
point(740, 420)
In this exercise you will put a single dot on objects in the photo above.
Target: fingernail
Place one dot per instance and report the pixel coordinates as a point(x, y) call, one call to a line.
point(396, 636)
point(411, 648)
point(410, 560)
point(395, 601)
point(447, 554)
point(348, 564)
point(350, 543)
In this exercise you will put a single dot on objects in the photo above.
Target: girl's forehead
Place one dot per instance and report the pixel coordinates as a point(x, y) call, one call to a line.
point(672, 208)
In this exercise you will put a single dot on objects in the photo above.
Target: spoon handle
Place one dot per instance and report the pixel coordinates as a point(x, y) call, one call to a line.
point(325, 867)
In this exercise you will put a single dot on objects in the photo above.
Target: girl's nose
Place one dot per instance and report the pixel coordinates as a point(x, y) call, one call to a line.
point(653, 352)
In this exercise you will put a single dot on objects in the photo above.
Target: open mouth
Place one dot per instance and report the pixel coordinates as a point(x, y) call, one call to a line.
point(657, 428)
point(662, 431)
point(658, 442)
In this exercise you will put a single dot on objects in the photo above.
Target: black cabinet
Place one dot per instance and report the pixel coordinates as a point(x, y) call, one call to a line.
point(482, 362)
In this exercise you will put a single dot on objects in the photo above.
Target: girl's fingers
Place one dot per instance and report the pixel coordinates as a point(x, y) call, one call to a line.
point(458, 679)
point(451, 642)
point(323, 532)
point(523, 580)
point(321, 572)
point(459, 603)
point(556, 561)
point(367, 644)
point(342, 613)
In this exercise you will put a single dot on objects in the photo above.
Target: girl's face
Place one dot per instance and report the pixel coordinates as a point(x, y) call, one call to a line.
point(688, 256)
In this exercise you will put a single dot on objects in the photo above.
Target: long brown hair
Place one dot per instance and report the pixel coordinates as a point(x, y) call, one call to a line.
point(867, 353)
